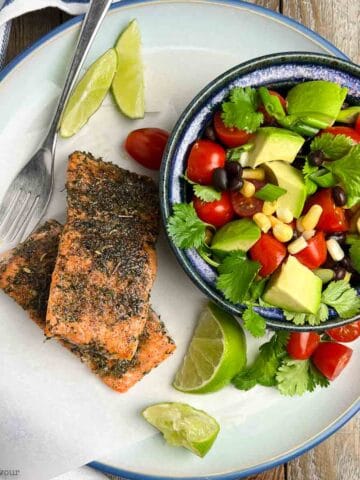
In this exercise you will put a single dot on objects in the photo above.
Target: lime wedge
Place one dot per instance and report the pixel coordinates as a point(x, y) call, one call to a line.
point(128, 83)
point(89, 93)
point(184, 426)
point(217, 352)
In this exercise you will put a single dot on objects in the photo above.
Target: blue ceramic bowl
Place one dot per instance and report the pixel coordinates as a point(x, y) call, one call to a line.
point(274, 71)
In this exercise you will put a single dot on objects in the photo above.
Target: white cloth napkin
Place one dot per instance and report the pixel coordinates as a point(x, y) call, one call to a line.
point(10, 9)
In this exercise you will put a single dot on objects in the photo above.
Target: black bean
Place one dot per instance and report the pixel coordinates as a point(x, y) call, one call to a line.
point(317, 158)
point(296, 234)
point(340, 273)
point(235, 183)
point(339, 196)
point(298, 163)
point(233, 170)
point(340, 237)
point(209, 133)
point(220, 179)
point(329, 263)
point(346, 263)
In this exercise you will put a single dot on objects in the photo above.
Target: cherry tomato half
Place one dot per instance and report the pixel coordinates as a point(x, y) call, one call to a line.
point(347, 333)
point(302, 345)
point(216, 213)
point(331, 358)
point(268, 119)
point(204, 157)
point(315, 253)
point(348, 131)
point(333, 218)
point(245, 207)
point(269, 252)
point(146, 146)
point(231, 137)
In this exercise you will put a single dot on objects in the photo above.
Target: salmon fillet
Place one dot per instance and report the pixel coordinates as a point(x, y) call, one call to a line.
point(106, 265)
point(25, 275)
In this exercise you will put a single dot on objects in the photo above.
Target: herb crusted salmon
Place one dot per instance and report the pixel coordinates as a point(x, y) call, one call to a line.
point(106, 265)
point(25, 275)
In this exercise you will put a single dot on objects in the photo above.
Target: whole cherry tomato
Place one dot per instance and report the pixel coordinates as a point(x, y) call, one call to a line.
point(146, 146)
point(315, 253)
point(347, 333)
point(204, 157)
point(216, 213)
point(333, 218)
point(331, 358)
point(268, 119)
point(229, 136)
point(269, 252)
point(301, 345)
point(348, 131)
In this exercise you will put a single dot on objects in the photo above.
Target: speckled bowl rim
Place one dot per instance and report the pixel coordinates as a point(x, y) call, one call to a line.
point(190, 260)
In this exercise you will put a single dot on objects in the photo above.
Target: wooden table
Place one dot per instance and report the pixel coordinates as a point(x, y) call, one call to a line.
point(339, 21)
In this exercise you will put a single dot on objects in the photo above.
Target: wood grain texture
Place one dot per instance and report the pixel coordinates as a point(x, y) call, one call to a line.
point(338, 458)
point(336, 20)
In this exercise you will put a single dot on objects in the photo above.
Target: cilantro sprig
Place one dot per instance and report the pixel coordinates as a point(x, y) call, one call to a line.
point(295, 377)
point(343, 298)
point(332, 146)
point(240, 110)
point(185, 228)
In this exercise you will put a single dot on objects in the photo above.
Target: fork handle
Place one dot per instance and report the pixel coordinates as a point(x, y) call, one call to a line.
point(91, 24)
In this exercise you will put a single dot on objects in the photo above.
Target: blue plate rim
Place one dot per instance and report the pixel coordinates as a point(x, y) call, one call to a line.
point(336, 52)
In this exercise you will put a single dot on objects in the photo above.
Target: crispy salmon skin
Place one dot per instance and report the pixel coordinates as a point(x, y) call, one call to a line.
point(25, 275)
point(106, 264)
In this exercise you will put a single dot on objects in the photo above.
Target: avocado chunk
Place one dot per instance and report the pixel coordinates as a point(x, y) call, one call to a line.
point(236, 235)
point(316, 101)
point(273, 143)
point(295, 288)
point(292, 181)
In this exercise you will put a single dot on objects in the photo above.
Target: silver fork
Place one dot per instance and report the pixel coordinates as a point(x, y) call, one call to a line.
point(26, 200)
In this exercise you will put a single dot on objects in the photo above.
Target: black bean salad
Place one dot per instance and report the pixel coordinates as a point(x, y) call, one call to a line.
point(275, 202)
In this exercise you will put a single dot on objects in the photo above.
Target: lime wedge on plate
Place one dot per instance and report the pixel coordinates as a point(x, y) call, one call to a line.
point(89, 93)
point(184, 426)
point(217, 352)
point(128, 83)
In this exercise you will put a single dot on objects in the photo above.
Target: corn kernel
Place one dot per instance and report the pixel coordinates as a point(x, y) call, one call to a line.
point(254, 173)
point(308, 234)
point(297, 245)
point(347, 277)
point(299, 225)
point(334, 249)
point(262, 221)
point(284, 214)
point(248, 189)
point(283, 232)
point(310, 220)
point(358, 225)
point(269, 207)
point(275, 221)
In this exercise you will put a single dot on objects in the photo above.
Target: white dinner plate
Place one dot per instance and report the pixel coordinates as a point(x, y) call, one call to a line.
point(185, 44)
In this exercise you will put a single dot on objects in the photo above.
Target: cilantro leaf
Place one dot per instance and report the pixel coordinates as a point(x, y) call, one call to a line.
point(355, 254)
point(241, 110)
point(266, 364)
point(206, 193)
point(185, 228)
point(293, 377)
point(342, 297)
point(347, 170)
point(236, 273)
point(316, 378)
point(256, 290)
point(307, 171)
point(253, 322)
point(333, 146)
point(303, 318)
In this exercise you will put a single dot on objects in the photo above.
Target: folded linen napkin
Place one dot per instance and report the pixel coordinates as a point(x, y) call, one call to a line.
point(10, 9)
